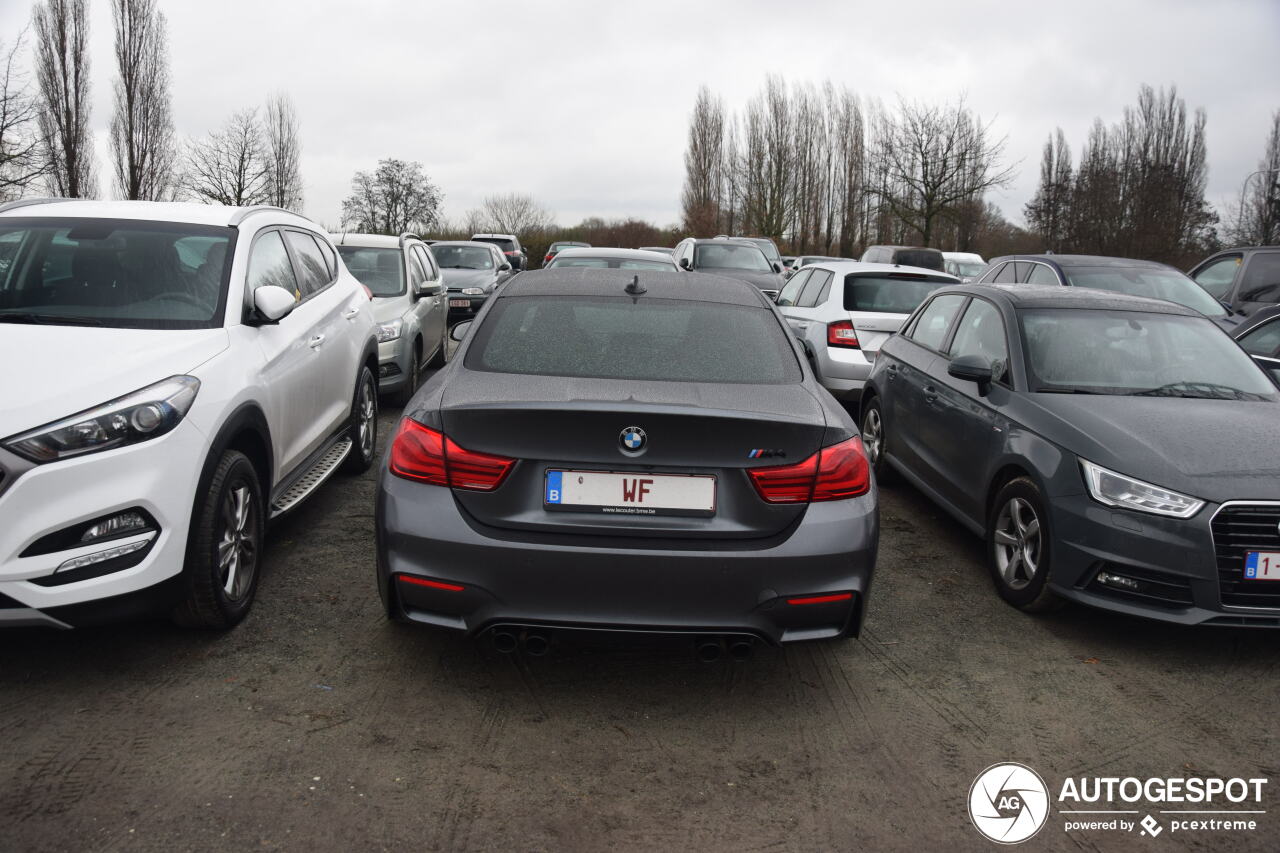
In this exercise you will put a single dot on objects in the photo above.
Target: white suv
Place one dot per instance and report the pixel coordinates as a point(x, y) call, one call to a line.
point(174, 376)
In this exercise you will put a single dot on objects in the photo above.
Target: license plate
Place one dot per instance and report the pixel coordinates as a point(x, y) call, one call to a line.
point(1262, 565)
point(459, 303)
point(630, 493)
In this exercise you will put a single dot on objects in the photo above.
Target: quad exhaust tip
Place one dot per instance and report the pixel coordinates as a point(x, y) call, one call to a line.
point(505, 641)
point(710, 649)
point(535, 643)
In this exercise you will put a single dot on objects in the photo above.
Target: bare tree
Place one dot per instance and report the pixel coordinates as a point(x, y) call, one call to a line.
point(62, 74)
point(284, 153)
point(21, 158)
point(232, 165)
point(704, 166)
point(515, 213)
point(1257, 219)
point(394, 198)
point(1049, 210)
point(142, 140)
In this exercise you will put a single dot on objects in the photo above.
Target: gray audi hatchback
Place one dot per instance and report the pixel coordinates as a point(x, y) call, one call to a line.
point(619, 451)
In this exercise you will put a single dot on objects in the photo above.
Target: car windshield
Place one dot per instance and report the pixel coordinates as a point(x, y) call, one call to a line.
point(650, 339)
point(111, 272)
point(967, 269)
point(887, 295)
point(1153, 282)
point(766, 246)
point(462, 257)
point(380, 270)
point(1132, 353)
point(610, 263)
point(730, 256)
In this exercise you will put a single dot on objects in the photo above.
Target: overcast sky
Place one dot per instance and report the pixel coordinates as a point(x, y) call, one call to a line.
point(585, 105)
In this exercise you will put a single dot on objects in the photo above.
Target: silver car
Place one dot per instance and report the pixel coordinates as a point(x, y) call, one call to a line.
point(618, 259)
point(408, 305)
point(842, 311)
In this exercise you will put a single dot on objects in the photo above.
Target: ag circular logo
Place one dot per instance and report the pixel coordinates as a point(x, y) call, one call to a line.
point(633, 440)
point(1008, 803)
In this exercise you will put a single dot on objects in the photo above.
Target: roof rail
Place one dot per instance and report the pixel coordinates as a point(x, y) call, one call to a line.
point(408, 236)
point(28, 202)
point(245, 213)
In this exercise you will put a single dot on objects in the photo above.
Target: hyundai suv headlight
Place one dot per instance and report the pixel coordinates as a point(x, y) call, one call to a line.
point(140, 416)
point(1114, 489)
point(390, 331)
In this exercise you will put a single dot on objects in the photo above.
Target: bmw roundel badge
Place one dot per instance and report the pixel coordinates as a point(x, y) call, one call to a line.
point(633, 440)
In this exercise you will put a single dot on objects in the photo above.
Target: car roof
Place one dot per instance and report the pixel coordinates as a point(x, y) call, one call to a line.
point(1068, 261)
point(847, 267)
point(607, 252)
point(150, 211)
point(475, 243)
point(503, 236)
point(366, 240)
point(1040, 296)
point(658, 284)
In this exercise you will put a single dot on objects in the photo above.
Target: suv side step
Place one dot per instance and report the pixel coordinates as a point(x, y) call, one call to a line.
point(324, 465)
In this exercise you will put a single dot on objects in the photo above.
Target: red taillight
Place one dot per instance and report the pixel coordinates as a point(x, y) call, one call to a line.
point(423, 454)
point(510, 253)
point(821, 599)
point(410, 579)
point(549, 256)
point(834, 473)
point(842, 334)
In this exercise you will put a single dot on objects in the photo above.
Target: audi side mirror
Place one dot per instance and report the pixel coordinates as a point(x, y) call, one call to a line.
point(973, 368)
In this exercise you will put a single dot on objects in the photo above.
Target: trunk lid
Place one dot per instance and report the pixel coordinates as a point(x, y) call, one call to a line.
point(874, 329)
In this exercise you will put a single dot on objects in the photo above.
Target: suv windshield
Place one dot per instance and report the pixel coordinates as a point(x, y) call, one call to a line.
point(462, 257)
point(111, 272)
point(1125, 352)
point(1152, 282)
point(655, 339)
point(893, 295)
point(730, 256)
point(380, 270)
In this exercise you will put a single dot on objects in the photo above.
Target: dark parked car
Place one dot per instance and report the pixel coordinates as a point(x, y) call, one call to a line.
point(510, 247)
point(730, 257)
point(1116, 451)
point(1260, 337)
point(555, 247)
point(1119, 275)
point(907, 256)
point(766, 245)
point(1247, 280)
point(607, 454)
point(471, 270)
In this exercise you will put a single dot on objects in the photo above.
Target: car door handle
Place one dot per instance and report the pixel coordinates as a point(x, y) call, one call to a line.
point(352, 314)
point(802, 326)
point(316, 342)
point(930, 393)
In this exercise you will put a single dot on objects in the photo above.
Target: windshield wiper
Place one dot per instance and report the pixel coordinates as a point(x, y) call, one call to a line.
point(1198, 390)
point(48, 319)
point(1048, 389)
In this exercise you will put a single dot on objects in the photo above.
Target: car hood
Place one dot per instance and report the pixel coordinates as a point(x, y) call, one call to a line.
point(1213, 449)
point(762, 280)
point(458, 279)
point(73, 368)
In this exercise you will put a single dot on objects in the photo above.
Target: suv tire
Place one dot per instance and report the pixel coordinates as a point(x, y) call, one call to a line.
point(363, 431)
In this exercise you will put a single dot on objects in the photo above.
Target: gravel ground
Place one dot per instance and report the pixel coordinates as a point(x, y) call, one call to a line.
point(318, 725)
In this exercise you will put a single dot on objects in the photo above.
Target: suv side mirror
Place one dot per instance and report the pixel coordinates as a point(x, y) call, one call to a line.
point(684, 263)
point(272, 303)
point(973, 368)
point(505, 268)
point(459, 331)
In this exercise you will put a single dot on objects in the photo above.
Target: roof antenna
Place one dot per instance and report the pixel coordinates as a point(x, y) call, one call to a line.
point(635, 288)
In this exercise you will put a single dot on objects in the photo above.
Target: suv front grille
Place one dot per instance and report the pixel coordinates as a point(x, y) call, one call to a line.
point(1237, 529)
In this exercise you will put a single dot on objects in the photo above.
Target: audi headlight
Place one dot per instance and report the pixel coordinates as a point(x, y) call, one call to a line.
point(473, 291)
point(390, 331)
point(1114, 489)
point(142, 415)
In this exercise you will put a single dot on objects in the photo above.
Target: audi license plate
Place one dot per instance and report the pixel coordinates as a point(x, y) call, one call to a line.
point(1262, 565)
point(459, 303)
point(630, 493)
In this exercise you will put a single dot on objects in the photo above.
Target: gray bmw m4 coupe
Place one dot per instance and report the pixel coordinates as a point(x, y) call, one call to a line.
point(618, 451)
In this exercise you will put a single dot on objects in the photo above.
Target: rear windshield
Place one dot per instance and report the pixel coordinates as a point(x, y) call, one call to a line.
point(730, 256)
point(646, 339)
point(610, 263)
point(918, 258)
point(502, 243)
point(380, 270)
point(113, 272)
point(1154, 282)
point(887, 295)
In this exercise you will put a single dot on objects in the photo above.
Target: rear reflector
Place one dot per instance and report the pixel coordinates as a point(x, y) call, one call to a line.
point(834, 473)
point(428, 456)
point(410, 579)
point(842, 334)
point(821, 599)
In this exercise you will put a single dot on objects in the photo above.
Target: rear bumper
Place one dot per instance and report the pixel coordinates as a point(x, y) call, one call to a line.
point(844, 371)
point(514, 578)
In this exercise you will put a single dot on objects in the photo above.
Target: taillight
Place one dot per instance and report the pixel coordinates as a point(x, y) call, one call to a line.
point(842, 334)
point(427, 456)
point(834, 473)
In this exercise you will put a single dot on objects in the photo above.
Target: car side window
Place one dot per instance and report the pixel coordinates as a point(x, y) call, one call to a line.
point(991, 273)
point(417, 273)
point(428, 263)
point(790, 294)
point(818, 279)
point(315, 273)
point(1261, 281)
point(1264, 340)
point(931, 327)
point(1042, 274)
point(981, 332)
point(1216, 278)
point(269, 264)
point(330, 256)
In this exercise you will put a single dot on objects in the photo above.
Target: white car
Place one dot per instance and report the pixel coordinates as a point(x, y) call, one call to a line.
point(175, 375)
point(966, 266)
point(843, 311)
